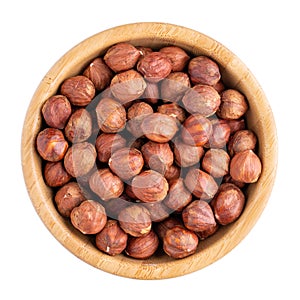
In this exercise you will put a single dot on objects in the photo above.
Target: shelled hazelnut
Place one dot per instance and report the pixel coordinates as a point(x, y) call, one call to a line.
point(178, 57)
point(55, 174)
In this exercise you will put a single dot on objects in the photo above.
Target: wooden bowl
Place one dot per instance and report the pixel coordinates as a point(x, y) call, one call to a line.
point(259, 119)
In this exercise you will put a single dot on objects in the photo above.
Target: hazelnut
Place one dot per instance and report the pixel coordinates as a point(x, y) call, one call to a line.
point(106, 185)
point(79, 126)
point(143, 50)
point(122, 57)
point(135, 220)
point(178, 196)
point(220, 134)
point(228, 203)
point(201, 99)
point(174, 86)
point(80, 159)
point(158, 211)
point(159, 127)
point(112, 239)
point(203, 70)
point(216, 162)
point(126, 162)
point(201, 184)
point(202, 235)
point(177, 56)
point(129, 192)
point(196, 130)
point(236, 125)
point(242, 140)
point(89, 217)
point(79, 90)
point(155, 66)
point(228, 179)
point(114, 206)
point(186, 155)
point(107, 143)
point(158, 156)
point(245, 166)
point(136, 114)
point(128, 86)
point(56, 111)
point(51, 144)
point(219, 86)
point(162, 227)
point(151, 93)
point(179, 242)
point(198, 216)
point(55, 174)
point(233, 105)
point(172, 173)
point(99, 73)
point(173, 110)
point(111, 115)
point(67, 197)
point(150, 186)
point(142, 247)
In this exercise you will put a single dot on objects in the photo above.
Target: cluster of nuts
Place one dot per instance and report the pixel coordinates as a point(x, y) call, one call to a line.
point(148, 149)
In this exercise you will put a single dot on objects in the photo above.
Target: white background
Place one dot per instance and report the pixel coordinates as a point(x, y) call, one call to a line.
point(264, 34)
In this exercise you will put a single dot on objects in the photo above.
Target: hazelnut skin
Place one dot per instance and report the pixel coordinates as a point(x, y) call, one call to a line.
point(89, 217)
point(228, 203)
point(245, 166)
point(142, 247)
point(135, 220)
point(179, 242)
point(79, 90)
point(67, 197)
point(55, 174)
point(177, 56)
point(51, 144)
point(111, 239)
point(162, 227)
point(106, 185)
point(242, 140)
point(56, 111)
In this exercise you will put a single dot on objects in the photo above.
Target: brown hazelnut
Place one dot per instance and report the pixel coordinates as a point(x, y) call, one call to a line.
point(155, 66)
point(201, 99)
point(144, 50)
point(67, 197)
point(158, 211)
point(245, 166)
point(55, 174)
point(162, 227)
point(178, 57)
point(236, 125)
point(107, 143)
point(242, 140)
point(220, 134)
point(196, 130)
point(219, 86)
point(201, 184)
point(126, 162)
point(159, 127)
point(228, 179)
point(179, 242)
point(80, 159)
point(178, 196)
point(114, 206)
point(106, 185)
point(174, 86)
point(79, 126)
point(56, 111)
point(79, 90)
point(129, 192)
point(122, 57)
point(142, 247)
point(203, 70)
point(233, 105)
point(186, 155)
point(128, 86)
point(151, 93)
point(99, 73)
point(172, 173)
point(228, 203)
point(135, 220)
point(111, 115)
point(51, 144)
point(111, 239)
point(216, 162)
point(136, 114)
point(150, 186)
point(198, 216)
point(202, 235)
point(173, 110)
point(89, 217)
point(158, 156)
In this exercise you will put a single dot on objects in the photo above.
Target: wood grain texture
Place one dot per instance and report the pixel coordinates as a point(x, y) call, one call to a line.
point(259, 118)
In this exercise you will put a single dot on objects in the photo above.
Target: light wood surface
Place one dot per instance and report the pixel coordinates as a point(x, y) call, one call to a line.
point(259, 118)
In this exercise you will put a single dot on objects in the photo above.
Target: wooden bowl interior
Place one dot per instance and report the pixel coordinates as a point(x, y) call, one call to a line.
point(259, 119)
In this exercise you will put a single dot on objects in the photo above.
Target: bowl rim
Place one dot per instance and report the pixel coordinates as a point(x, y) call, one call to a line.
point(41, 197)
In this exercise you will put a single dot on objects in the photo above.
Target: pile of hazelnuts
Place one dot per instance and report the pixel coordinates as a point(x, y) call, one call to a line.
point(148, 149)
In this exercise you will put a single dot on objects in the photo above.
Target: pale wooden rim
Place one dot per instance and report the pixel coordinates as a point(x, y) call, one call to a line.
point(235, 72)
